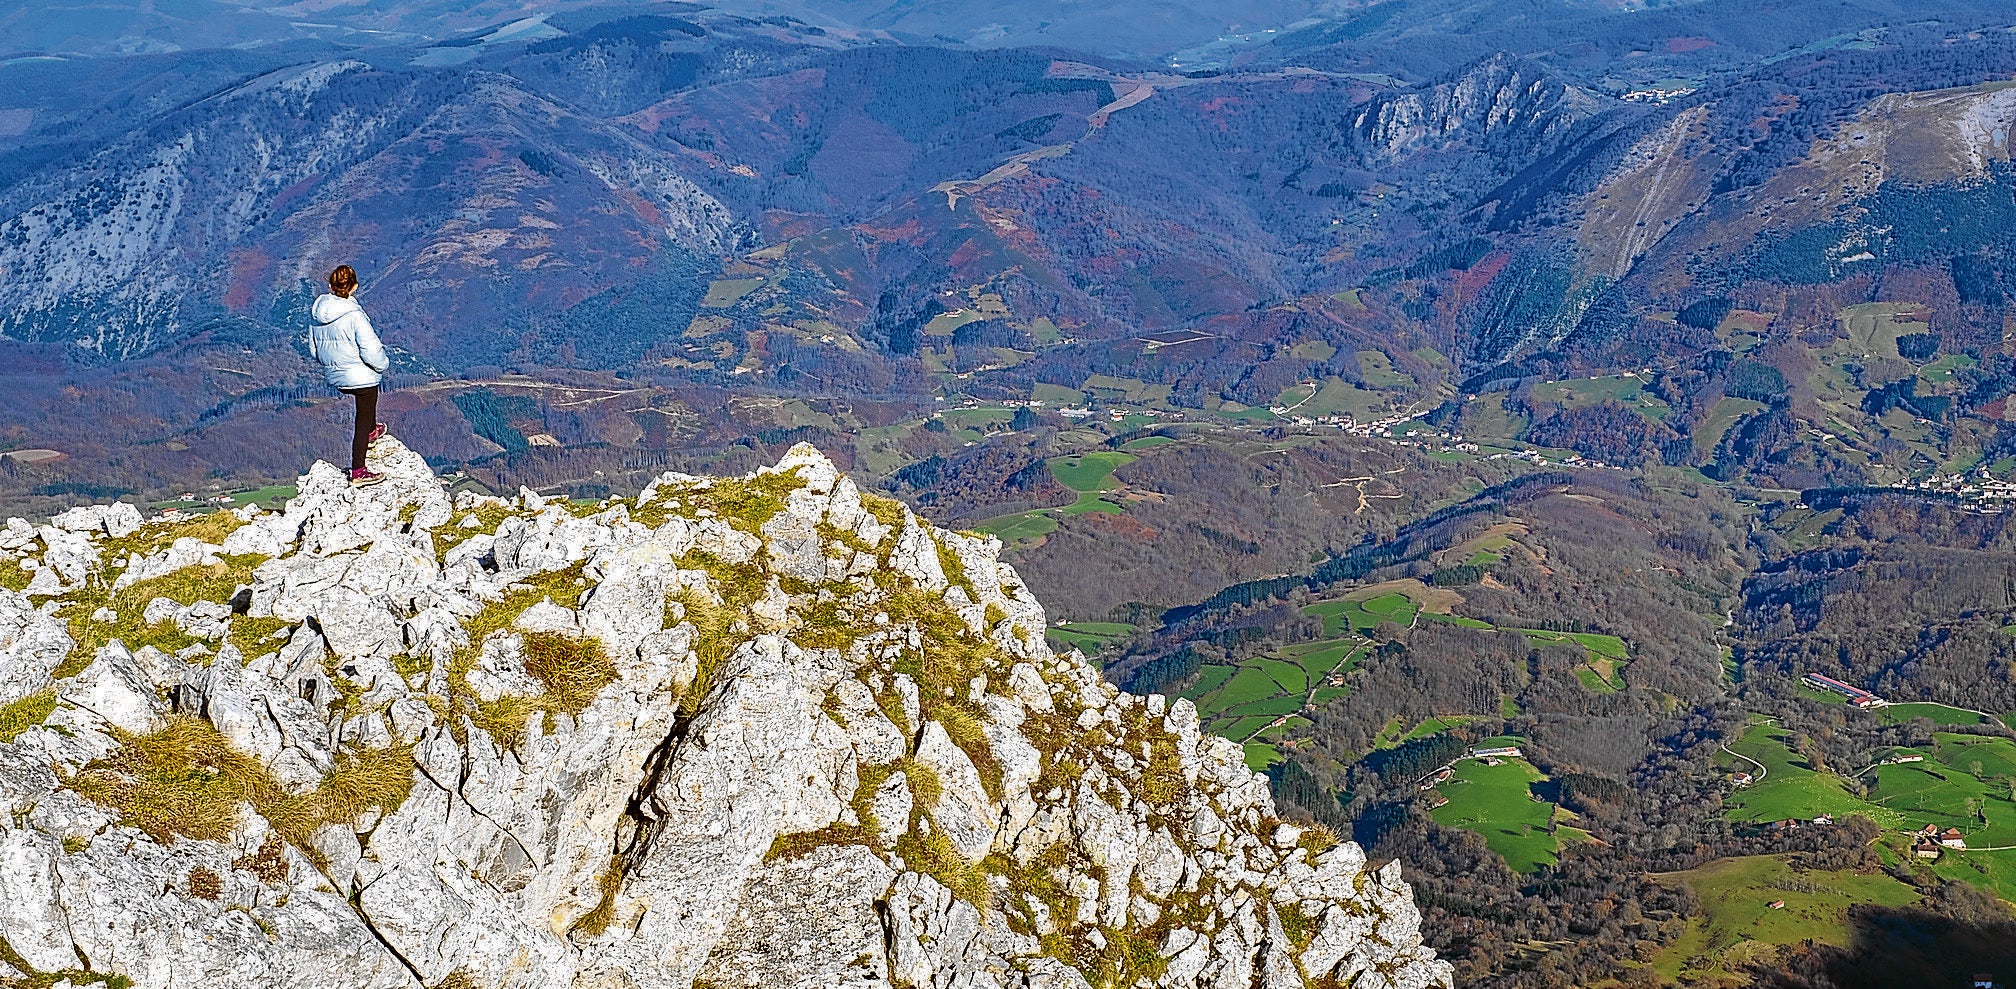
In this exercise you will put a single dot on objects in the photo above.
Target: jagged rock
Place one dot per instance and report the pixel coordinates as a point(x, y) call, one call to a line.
point(116, 689)
point(32, 645)
point(117, 520)
point(745, 758)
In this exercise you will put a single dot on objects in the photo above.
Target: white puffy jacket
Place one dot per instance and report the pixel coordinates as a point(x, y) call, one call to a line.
point(343, 340)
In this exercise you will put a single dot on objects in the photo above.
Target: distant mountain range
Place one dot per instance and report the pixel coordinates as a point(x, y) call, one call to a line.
point(842, 207)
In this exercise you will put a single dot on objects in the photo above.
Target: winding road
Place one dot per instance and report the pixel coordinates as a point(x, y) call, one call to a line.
point(1761, 769)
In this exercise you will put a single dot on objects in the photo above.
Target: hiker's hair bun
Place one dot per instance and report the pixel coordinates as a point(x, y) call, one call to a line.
point(343, 280)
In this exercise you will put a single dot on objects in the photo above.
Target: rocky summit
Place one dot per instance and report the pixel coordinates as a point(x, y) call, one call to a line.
point(765, 731)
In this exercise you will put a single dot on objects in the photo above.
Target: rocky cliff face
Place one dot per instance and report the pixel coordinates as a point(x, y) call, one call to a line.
point(754, 732)
point(1500, 104)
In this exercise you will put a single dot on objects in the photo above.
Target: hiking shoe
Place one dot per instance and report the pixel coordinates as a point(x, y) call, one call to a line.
point(376, 434)
point(361, 477)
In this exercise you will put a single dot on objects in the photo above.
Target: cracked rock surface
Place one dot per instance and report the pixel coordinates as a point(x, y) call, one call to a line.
point(734, 732)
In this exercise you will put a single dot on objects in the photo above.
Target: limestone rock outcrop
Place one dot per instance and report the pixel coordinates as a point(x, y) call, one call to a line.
point(735, 732)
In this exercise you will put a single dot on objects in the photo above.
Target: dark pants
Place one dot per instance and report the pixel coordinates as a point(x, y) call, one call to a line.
point(367, 420)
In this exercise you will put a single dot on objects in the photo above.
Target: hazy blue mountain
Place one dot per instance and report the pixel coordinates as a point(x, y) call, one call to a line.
point(1193, 30)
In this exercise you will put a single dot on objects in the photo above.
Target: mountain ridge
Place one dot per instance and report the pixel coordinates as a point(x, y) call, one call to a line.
point(383, 738)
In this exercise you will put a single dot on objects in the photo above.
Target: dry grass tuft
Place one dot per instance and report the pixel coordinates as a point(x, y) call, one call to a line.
point(955, 569)
point(381, 778)
point(1299, 926)
point(572, 670)
point(268, 864)
point(596, 921)
point(714, 640)
point(180, 779)
point(205, 884)
point(12, 577)
point(26, 713)
point(184, 779)
point(925, 786)
point(790, 846)
point(751, 501)
point(451, 535)
point(887, 511)
point(935, 856)
point(1316, 838)
point(826, 625)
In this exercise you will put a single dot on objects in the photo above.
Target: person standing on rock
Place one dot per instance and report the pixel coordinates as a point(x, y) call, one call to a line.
point(343, 340)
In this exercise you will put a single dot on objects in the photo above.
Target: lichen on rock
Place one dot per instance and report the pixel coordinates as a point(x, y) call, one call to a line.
point(764, 731)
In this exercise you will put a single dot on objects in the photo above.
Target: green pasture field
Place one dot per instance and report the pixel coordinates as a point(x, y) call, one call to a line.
point(1606, 646)
point(1939, 714)
point(1576, 393)
point(1248, 685)
point(1873, 327)
point(1967, 783)
point(977, 416)
point(1148, 442)
point(1595, 682)
point(1791, 787)
point(1242, 728)
point(1313, 350)
point(1736, 894)
point(1812, 693)
point(1456, 620)
point(1486, 417)
point(1242, 413)
point(1380, 373)
point(1340, 617)
point(1941, 371)
point(1335, 396)
point(1320, 658)
point(1044, 331)
point(1210, 678)
point(1092, 503)
point(1721, 418)
point(879, 448)
point(1439, 724)
point(1292, 678)
point(1497, 803)
point(1090, 638)
point(1803, 527)
point(1261, 755)
point(1133, 390)
point(943, 324)
point(1018, 528)
point(1100, 628)
point(266, 496)
point(1056, 396)
point(1269, 707)
point(725, 292)
point(1088, 472)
